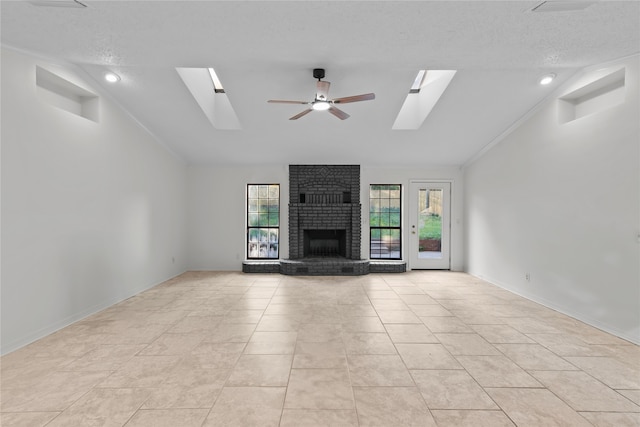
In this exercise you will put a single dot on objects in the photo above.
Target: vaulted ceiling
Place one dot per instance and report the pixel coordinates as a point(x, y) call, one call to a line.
point(266, 50)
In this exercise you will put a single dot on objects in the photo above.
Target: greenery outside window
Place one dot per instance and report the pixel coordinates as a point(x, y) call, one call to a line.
point(263, 221)
point(385, 221)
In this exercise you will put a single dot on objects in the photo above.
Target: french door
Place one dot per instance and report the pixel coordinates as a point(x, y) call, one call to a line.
point(429, 225)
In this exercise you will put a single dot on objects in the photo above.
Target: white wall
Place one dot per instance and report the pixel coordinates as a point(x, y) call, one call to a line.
point(216, 209)
point(92, 212)
point(562, 202)
point(216, 213)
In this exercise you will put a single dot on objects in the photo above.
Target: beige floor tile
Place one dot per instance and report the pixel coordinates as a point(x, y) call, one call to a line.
point(277, 323)
point(445, 325)
point(251, 303)
point(398, 316)
point(501, 334)
point(195, 325)
point(391, 406)
point(271, 343)
point(261, 371)
point(105, 357)
point(427, 356)
point(356, 310)
point(497, 371)
point(319, 389)
point(389, 304)
point(247, 406)
point(612, 419)
point(477, 317)
point(319, 332)
point(209, 355)
point(188, 387)
point(71, 347)
point(383, 295)
point(242, 316)
point(567, 345)
point(458, 418)
point(150, 344)
point(363, 324)
point(55, 392)
point(451, 389)
point(613, 373)
point(319, 418)
point(329, 355)
point(172, 345)
point(368, 343)
point(467, 345)
point(231, 333)
point(318, 361)
point(30, 371)
point(142, 371)
point(27, 419)
point(536, 407)
point(429, 310)
point(530, 325)
point(103, 407)
point(632, 395)
point(168, 418)
point(417, 299)
point(534, 356)
point(378, 370)
point(583, 392)
point(411, 333)
point(628, 354)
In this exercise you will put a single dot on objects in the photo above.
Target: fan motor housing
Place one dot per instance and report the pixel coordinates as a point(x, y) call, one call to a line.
point(318, 73)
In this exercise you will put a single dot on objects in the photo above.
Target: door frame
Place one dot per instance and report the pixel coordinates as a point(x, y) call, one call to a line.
point(412, 209)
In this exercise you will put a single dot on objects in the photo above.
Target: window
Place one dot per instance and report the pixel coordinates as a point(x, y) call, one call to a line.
point(263, 220)
point(384, 221)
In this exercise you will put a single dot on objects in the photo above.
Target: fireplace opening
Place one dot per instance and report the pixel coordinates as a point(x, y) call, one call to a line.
point(325, 243)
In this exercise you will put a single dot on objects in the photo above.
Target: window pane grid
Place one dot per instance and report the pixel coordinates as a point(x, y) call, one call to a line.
point(385, 221)
point(263, 221)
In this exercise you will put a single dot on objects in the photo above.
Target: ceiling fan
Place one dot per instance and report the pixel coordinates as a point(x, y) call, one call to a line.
point(322, 102)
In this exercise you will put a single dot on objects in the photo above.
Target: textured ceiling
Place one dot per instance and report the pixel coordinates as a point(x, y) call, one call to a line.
point(267, 50)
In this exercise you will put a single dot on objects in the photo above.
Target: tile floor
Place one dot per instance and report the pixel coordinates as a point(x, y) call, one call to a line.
point(413, 349)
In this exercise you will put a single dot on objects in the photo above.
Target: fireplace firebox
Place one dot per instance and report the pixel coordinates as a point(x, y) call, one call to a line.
point(325, 243)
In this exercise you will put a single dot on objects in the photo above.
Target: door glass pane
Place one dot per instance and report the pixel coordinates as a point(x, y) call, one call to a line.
point(430, 223)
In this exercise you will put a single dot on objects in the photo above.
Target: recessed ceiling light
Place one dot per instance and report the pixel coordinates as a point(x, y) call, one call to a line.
point(545, 80)
point(111, 77)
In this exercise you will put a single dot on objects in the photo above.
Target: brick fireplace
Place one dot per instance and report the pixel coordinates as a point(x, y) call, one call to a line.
point(324, 220)
point(324, 210)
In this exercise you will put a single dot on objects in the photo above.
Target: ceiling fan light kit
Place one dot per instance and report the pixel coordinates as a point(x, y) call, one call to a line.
point(322, 102)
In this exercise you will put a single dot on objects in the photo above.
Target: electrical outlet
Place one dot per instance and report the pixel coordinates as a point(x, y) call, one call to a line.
point(527, 277)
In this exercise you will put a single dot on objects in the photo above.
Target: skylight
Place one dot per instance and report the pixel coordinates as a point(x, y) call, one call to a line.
point(215, 104)
point(427, 88)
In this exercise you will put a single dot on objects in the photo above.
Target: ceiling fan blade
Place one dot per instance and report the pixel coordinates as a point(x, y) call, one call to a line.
point(305, 112)
point(280, 101)
point(322, 90)
point(338, 113)
point(355, 98)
